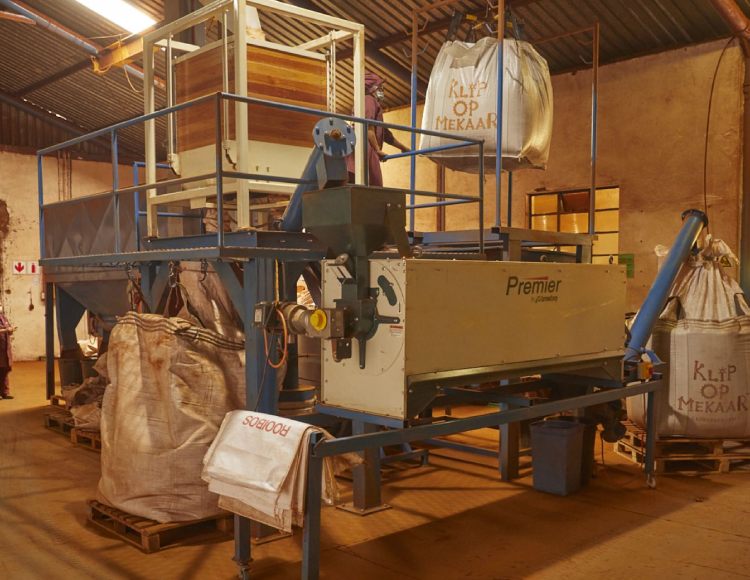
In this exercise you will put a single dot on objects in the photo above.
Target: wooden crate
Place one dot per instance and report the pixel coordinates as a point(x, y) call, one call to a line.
point(151, 536)
point(86, 438)
point(686, 455)
point(273, 75)
point(59, 420)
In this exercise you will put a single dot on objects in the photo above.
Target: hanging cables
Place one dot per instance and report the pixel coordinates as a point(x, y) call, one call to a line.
point(285, 328)
point(285, 338)
point(708, 128)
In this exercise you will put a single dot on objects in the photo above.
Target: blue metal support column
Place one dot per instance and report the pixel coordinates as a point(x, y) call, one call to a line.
point(233, 286)
point(509, 217)
point(242, 547)
point(149, 272)
point(69, 313)
point(651, 436)
point(260, 377)
point(366, 477)
point(311, 529)
point(594, 126)
point(413, 119)
point(115, 188)
point(500, 101)
point(49, 337)
point(380, 438)
point(509, 434)
point(154, 280)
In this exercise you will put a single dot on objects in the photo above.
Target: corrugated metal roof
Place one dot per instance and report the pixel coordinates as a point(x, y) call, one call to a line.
point(628, 28)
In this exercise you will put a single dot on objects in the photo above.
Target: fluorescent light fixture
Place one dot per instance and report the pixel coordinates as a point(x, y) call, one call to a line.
point(122, 13)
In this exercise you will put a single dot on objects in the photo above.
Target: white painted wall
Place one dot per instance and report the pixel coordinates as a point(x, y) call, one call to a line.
point(18, 188)
point(652, 129)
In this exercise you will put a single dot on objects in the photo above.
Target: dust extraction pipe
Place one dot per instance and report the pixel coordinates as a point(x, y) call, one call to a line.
point(40, 20)
point(739, 24)
point(733, 16)
point(694, 222)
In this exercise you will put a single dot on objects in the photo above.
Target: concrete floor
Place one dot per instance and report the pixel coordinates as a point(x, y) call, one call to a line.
point(451, 519)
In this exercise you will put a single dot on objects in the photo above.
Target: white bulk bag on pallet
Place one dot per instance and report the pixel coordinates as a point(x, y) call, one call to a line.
point(703, 335)
point(462, 100)
point(172, 383)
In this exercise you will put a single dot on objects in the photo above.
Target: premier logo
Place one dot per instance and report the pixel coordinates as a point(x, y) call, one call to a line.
point(540, 289)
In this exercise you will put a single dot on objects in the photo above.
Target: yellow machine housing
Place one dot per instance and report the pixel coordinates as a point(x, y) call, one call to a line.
point(462, 320)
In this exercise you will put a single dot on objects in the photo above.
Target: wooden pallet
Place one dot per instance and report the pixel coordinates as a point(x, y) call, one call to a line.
point(58, 401)
point(686, 455)
point(151, 536)
point(87, 439)
point(59, 420)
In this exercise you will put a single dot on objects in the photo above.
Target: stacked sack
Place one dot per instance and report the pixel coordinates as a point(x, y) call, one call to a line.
point(703, 334)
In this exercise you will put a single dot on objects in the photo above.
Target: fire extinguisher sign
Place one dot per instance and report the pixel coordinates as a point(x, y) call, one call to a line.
point(25, 268)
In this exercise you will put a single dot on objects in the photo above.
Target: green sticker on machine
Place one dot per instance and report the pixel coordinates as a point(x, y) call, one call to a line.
point(628, 260)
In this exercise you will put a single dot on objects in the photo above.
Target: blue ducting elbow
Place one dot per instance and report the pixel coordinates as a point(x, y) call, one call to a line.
point(694, 222)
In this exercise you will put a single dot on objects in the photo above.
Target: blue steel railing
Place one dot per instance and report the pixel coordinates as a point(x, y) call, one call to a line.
point(116, 192)
point(139, 213)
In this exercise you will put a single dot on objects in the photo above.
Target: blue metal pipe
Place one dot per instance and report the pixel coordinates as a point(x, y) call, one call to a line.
point(250, 101)
point(171, 214)
point(125, 124)
point(499, 128)
point(40, 186)
point(413, 144)
point(694, 222)
point(324, 114)
point(439, 204)
point(291, 221)
point(54, 28)
point(427, 150)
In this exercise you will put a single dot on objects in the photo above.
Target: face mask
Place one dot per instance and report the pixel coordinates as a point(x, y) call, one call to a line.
point(380, 94)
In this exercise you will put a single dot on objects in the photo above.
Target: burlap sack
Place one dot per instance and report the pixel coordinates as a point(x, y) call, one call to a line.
point(172, 383)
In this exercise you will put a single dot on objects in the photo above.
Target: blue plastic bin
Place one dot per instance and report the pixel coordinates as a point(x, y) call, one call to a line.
point(556, 448)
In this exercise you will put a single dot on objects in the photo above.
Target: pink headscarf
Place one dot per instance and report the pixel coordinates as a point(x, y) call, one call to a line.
point(372, 82)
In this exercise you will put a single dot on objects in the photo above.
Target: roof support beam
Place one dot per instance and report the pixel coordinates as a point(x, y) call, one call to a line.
point(85, 44)
point(372, 52)
point(72, 69)
point(435, 26)
point(56, 121)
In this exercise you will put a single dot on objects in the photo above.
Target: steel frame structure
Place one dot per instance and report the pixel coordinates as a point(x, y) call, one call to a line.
point(371, 441)
point(255, 255)
point(256, 252)
point(235, 10)
point(415, 32)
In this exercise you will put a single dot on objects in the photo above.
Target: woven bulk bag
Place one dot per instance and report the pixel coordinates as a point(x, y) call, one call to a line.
point(462, 99)
point(703, 334)
point(172, 383)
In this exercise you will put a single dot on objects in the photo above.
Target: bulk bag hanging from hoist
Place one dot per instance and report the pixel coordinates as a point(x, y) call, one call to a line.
point(703, 334)
point(462, 100)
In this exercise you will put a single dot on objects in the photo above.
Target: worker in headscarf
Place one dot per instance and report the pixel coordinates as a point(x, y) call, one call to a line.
point(6, 355)
point(376, 136)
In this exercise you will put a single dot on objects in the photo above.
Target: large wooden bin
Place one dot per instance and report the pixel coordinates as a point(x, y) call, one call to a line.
point(273, 74)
